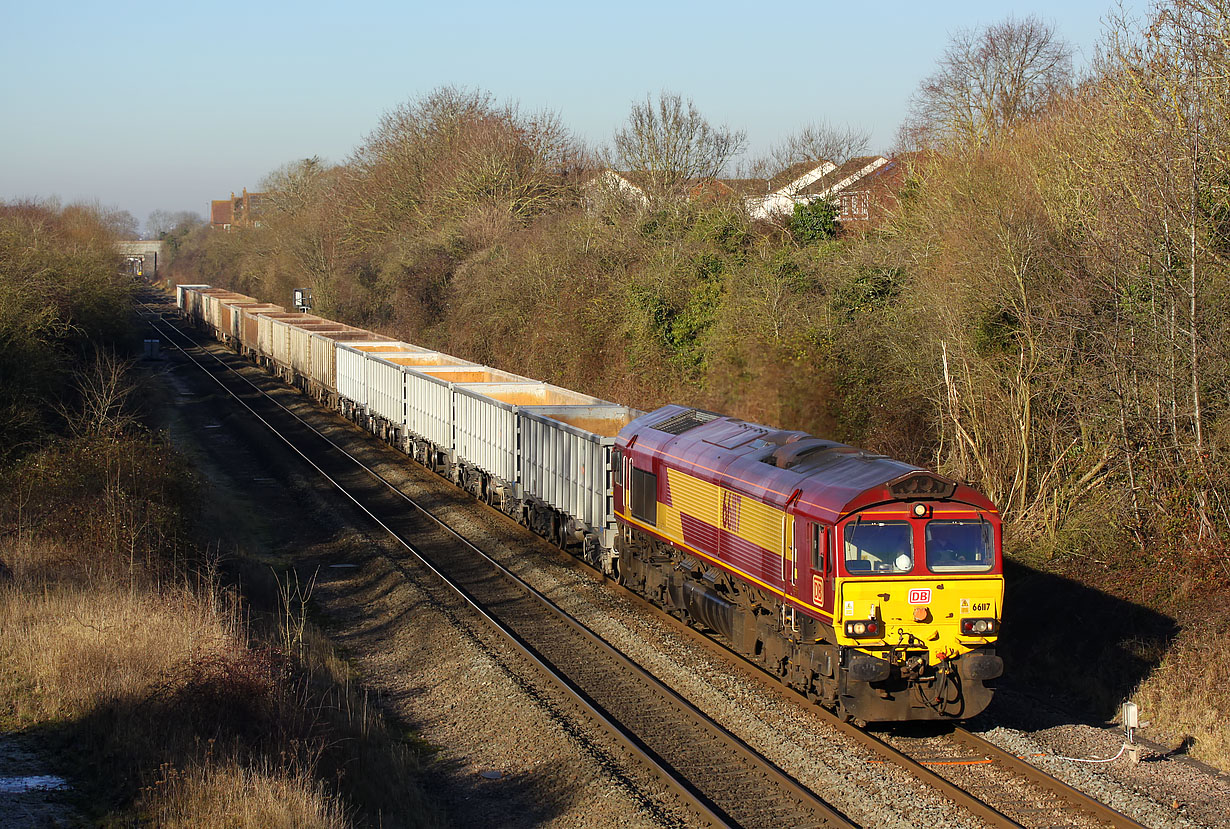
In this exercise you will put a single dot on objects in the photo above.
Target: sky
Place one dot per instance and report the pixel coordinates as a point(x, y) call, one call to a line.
point(142, 106)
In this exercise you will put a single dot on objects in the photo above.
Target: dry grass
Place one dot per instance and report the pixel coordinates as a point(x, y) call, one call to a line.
point(144, 683)
point(67, 648)
point(124, 663)
point(1189, 693)
point(231, 796)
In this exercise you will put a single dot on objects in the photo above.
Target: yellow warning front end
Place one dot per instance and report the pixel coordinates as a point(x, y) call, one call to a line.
point(919, 601)
point(944, 617)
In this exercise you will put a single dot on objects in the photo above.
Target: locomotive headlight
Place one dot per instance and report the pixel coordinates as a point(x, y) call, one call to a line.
point(868, 628)
point(920, 510)
point(977, 627)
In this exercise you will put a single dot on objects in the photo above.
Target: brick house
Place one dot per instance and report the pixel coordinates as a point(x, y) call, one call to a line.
point(238, 211)
point(865, 203)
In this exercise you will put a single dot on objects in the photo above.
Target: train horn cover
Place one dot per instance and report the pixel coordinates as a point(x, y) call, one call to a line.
point(921, 485)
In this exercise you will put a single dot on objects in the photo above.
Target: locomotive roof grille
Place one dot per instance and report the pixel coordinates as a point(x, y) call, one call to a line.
point(680, 423)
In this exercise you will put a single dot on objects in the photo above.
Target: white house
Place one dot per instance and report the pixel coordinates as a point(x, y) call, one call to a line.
point(765, 199)
point(823, 180)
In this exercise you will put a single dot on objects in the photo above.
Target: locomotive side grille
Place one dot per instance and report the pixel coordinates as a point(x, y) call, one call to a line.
point(680, 423)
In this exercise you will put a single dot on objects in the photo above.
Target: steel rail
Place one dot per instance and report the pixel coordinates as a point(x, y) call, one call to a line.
point(704, 806)
point(1068, 794)
point(967, 800)
point(886, 752)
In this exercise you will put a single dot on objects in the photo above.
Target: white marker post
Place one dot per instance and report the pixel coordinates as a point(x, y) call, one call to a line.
point(1131, 721)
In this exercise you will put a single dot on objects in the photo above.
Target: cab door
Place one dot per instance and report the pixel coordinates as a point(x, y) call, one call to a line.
point(821, 555)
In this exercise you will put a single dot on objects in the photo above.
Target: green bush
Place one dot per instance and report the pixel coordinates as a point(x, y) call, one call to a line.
point(815, 221)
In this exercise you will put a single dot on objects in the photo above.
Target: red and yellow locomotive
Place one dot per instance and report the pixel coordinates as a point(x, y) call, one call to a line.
point(874, 586)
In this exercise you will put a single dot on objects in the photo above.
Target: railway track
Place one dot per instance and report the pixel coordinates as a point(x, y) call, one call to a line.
point(720, 794)
point(719, 778)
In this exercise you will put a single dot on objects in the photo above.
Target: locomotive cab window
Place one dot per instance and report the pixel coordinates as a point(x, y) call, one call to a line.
point(821, 556)
point(879, 547)
point(644, 496)
point(960, 546)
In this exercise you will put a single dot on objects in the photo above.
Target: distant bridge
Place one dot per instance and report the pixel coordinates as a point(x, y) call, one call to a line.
point(141, 258)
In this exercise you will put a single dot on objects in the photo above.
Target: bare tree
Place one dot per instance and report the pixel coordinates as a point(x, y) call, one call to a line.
point(672, 146)
point(294, 186)
point(120, 223)
point(104, 388)
point(816, 141)
point(989, 80)
point(300, 219)
point(161, 222)
point(457, 152)
point(1149, 141)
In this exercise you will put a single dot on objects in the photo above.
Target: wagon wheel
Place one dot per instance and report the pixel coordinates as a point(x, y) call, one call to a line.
point(561, 539)
point(590, 554)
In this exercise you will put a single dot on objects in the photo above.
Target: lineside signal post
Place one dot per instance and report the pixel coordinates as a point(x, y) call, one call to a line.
point(302, 300)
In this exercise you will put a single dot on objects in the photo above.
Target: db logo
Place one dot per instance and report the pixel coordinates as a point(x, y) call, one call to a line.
point(920, 595)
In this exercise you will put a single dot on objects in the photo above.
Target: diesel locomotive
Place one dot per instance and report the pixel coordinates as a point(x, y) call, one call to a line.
point(873, 586)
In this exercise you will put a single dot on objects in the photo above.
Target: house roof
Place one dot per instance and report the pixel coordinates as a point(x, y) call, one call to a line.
point(794, 172)
point(753, 187)
point(221, 212)
point(833, 181)
point(877, 178)
point(640, 181)
point(637, 178)
point(745, 186)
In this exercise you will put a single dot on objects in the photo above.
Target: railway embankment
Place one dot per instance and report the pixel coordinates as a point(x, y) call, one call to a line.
point(1036, 308)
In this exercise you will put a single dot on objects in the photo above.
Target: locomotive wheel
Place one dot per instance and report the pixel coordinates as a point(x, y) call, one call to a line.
point(846, 716)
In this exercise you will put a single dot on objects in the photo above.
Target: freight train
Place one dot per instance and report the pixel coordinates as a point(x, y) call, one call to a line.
point(871, 585)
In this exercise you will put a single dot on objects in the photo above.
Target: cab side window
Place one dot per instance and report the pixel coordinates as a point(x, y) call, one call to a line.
point(818, 559)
